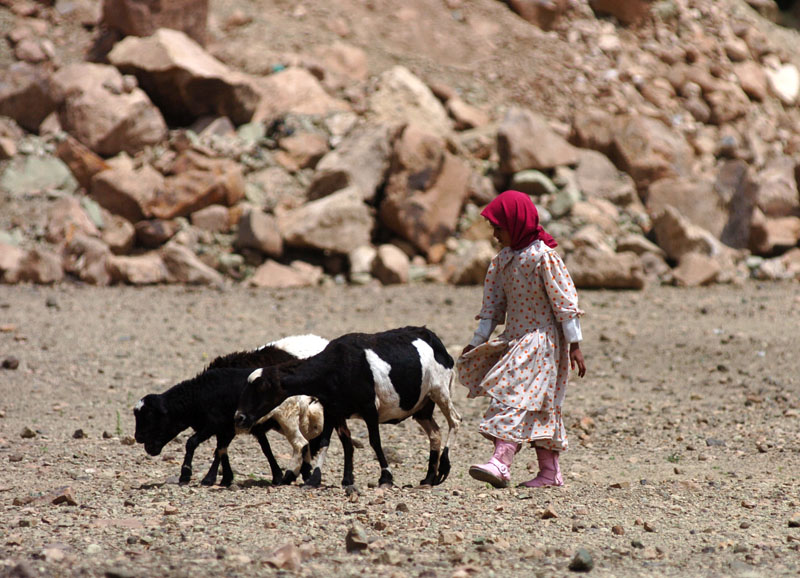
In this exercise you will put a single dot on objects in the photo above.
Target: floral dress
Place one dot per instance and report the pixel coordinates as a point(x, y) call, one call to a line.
point(525, 369)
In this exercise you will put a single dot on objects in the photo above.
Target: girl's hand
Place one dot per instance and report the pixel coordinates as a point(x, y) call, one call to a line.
point(576, 359)
point(467, 349)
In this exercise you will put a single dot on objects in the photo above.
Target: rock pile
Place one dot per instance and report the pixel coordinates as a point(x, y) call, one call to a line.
point(159, 163)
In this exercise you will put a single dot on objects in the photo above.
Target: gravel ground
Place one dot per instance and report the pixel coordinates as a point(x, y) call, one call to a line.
point(685, 443)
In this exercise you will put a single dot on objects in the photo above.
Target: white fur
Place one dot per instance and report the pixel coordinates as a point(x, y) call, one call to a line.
point(301, 346)
point(139, 405)
point(255, 375)
point(387, 401)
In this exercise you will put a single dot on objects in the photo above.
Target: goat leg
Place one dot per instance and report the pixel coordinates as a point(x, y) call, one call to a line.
point(191, 445)
point(374, 431)
point(347, 446)
point(277, 473)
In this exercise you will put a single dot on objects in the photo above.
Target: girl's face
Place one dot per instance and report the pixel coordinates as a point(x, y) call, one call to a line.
point(503, 237)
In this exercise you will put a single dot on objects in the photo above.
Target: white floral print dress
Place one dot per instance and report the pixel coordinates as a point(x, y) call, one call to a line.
point(525, 369)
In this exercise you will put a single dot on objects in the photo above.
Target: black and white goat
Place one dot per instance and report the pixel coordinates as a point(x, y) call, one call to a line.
point(207, 404)
point(381, 378)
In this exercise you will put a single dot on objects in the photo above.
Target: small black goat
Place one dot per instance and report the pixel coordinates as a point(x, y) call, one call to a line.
point(207, 404)
point(381, 378)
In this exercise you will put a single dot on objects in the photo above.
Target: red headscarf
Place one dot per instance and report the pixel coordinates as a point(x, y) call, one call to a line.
point(516, 213)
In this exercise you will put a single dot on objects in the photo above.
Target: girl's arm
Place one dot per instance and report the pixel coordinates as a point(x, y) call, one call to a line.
point(564, 301)
point(493, 310)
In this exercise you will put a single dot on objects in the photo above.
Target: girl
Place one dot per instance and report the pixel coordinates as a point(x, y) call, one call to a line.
point(525, 369)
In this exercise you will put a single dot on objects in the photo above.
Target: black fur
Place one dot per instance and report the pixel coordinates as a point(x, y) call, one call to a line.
point(340, 377)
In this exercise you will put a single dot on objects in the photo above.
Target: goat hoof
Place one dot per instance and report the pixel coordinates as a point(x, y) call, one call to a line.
point(207, 482)
point(288, 478)
point(184, 480)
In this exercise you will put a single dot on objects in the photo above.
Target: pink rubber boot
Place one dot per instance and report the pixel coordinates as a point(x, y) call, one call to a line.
point(496, 471)
point(549, 471)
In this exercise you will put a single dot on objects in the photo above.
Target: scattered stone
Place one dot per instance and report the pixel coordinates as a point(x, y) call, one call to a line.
point(582, 561)
point(549, 513)
point(287, 557)
point(356, 539)
point(27, 433)
point(618, 530)
point(79, 434)
point(10, 362)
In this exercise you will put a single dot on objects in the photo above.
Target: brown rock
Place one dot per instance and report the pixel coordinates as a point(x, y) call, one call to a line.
point(677, 236)
point(526, 141)
point(10, 258)
point(184, 80)
point(772, 236)
point(302, 150)
point(37, 266)
point(545, 15)
point(197, 182)
point(82, 162)
point(214, 218)
point(777, 193)
point(339, 223)
point(402, 98)
point(466, 116)
point(25, 95)
point(88, 259)
point(119, 234)
point(66, 218)
point(648, 150)
point(146, 269)
point(153, 233)
point(145, 17)
point(185, 267)
point(258, 230)
point(103, 112)
point(390, 265)
point(626, 11)
point(127, 192)
point(360, 160)
point(293, 90)
point(694, 270)
point(594, 268)
point(274, 275)
point(426, 213)
point(696, 200)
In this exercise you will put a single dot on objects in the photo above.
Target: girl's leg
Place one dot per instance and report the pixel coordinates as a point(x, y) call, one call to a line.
point(497, 470)
point(549, 470)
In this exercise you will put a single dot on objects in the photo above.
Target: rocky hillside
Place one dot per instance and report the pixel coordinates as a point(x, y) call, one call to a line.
point(283, 143)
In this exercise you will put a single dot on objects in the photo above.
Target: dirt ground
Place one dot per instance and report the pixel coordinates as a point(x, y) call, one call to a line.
point(685, 442)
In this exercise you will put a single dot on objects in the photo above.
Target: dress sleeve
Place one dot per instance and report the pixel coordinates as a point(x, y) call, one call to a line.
point(560, 288)
point(494, 296)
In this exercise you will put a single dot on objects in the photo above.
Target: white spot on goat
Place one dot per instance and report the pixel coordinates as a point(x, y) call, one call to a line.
point(255, 375)
point(139, 405)
point(301, 346)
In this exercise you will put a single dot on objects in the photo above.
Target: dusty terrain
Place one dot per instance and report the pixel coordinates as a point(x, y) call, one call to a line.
point(685, 442)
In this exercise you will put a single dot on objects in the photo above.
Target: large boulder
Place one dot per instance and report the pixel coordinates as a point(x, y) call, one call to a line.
point(649, 150)
point(338, 223)
point(695, 199)
point(361, 160)
point(127, 191)
point(25, 95)
point(592, 268)
point(197, 181)
point(184, 80)
point(401, 98)
point(294, 91)
point(104, 111)
point(426, 190)
point(626, 11)
point(144, 17)
point(526, 141)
